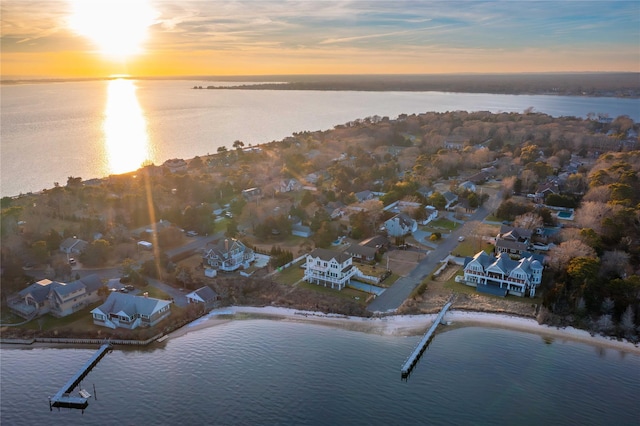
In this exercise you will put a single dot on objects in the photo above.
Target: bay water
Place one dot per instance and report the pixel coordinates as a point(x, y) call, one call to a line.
point(91, 129)
point(267, 372)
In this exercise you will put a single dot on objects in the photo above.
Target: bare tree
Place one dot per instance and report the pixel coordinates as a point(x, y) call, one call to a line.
point(528, 221)
point(627, 323)
point(615, 262)
point(605, 324)
point(560, 255)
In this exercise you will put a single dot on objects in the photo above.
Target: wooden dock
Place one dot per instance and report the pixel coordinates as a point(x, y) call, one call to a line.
point(63, 397)
point(422, 345)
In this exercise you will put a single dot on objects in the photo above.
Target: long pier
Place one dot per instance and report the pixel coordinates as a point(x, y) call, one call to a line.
point(63, 397)
point(424, 342)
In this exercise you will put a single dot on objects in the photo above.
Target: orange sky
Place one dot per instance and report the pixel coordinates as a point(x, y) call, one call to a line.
point(48, 39)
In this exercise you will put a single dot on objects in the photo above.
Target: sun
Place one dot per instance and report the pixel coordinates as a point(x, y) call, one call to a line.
point(118, 28)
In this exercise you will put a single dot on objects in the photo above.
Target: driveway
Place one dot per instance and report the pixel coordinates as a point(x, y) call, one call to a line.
point(394, 296)
point(178, 295)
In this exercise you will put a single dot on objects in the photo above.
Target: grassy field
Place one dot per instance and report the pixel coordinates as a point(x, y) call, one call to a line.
point(291, 275)
point(440, 224)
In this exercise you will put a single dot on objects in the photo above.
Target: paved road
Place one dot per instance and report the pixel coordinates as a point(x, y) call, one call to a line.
point(394, 296)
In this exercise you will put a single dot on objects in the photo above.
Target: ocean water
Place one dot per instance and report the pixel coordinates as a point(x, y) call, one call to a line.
point(91, 129)
point(266, 372)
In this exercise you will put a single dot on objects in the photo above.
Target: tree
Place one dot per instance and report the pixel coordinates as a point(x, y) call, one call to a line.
point(40, 251)
point(222, 149)
point(627, 324)
point(97, 253)
point(238, 145)
point(560, 255)
point(324, 235)
point(528, 220)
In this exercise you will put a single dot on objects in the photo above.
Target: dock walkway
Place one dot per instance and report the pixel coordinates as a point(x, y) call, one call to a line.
point(424, 342)
point(63, 397)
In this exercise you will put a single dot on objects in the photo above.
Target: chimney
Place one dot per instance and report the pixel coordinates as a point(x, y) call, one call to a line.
point(226, 244)
point(146, 294)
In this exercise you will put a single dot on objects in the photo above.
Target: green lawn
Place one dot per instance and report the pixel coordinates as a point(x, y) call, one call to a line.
point(346, 293)
point(440, 224)
point(462, 288)
point(291, 275)
point(154, 292)
point(471, 246)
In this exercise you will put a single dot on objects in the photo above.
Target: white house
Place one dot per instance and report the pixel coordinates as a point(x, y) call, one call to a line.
point(432, 214)
point(227, 255)
point(502, 275)
point(329, 268)
point(128, 311)
point(400, 225)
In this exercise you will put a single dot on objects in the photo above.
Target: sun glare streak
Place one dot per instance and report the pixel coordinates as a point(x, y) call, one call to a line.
point(125, 128)
point(117, 27)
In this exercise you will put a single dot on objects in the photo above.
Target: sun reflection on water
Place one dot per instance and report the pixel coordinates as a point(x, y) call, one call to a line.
point(125, 128)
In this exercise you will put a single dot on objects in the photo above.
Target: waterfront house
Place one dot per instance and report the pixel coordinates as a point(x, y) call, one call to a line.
point(329, 268)
point(204, 296)
point(55, 298)
point(227, 255)
point(502, 275)
point(400, 225)
point(122, 310)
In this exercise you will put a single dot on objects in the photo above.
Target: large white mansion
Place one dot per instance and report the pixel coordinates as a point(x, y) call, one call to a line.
point(502, 275)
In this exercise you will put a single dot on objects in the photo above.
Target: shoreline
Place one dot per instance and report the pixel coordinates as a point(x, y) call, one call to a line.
point(404, 325)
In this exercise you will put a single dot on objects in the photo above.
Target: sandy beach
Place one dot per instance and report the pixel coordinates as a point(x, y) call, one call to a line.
point(404, 325)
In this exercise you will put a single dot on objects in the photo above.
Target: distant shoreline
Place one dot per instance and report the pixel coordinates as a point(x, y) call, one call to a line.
point(587, 84)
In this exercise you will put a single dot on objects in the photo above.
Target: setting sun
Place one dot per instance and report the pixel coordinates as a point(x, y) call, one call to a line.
point(118, 28)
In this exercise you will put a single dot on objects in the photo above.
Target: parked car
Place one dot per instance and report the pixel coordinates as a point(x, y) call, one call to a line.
point(129, 287)
point(124, 290)
point(460, 238)
point(72, 261)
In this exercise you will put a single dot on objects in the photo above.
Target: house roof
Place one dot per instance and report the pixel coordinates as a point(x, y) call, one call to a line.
point(449, 196)
point(39, 290)
point(518, 234)
point(205, 294)
point(221, 248)
point(131, 305)
point(505, 263)
point(361, 251)
point(73, 244)
point(375, 241)
point(401, 220)
point(327, 255)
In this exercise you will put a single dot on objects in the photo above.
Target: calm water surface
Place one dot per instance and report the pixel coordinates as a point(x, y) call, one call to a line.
point(96, 128)
point(267, 372)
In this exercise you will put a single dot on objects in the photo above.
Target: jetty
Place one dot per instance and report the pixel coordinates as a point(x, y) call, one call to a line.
point(63, 397)
point(424, 342)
